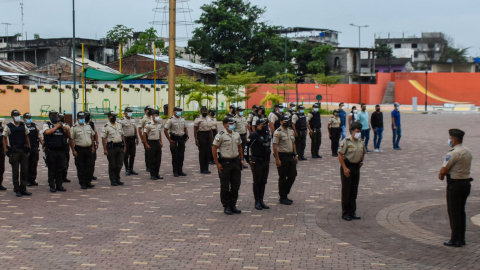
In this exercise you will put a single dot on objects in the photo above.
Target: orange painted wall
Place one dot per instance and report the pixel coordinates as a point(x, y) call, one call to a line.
point(10, 100)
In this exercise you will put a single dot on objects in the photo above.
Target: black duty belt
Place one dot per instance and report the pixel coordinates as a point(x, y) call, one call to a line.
point(348, 163)
point(282, 154)
point(130, 137)
point(244, 134)
point(153, 141)
point(229, 159)
point(81, 147)
point(208, 131)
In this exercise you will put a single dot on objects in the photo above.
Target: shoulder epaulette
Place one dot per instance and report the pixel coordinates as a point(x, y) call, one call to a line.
point(279, 129)
point(221, 132)
point(105, 125)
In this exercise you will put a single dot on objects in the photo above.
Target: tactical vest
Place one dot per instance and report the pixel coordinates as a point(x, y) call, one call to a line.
point(33, 135)
point(253, 114)
point(261, 146)
point(17, 135)
point(301, 123)
point(92, 125)
point(277, 123)
point(1, 135)
point(315, 121)
point(57, 140)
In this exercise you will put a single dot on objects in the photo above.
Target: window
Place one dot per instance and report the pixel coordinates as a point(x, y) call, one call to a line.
point(336, 62)
point(431, 45)
point(398, 46)
point(415, 54)
point(414, 45)
point(430, 54)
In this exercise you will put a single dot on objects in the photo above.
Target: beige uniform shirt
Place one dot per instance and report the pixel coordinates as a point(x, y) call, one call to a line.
point(82, 135)
point(250, 118)
point(129, 127)
point(351, 150)
point(458, 162)
point(256, 118)
point(203, 123)
point(6, 130)
point(272, 118)
point(294, 118)
point(335, 122)
point(176, 125)
point(145, 119)
point(153, 130)
point(240, 124)
point(228, 144)
point(213, 121)
point(113, 133)
point(284, 138)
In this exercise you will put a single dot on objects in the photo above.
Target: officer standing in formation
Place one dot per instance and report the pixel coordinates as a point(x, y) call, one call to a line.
point(314, 125)
point(231, 111)
point(286, 158)
point(274, 117)
point(92, 125)
point(131, 141)
point(152, 140)
point(35, 139)
point(291, 112)
point(55, 137)
point(334, 132)
point(259, 160)
point(299, 121)
point(17, 147)
point(241, 128)
point(260, 115)
point(113, 147)
point(213, 122)
point(250, 117)
point(177, 134)
point(83, 147)
point(456, 168)
point(202, 131)
point(2, 154)
point(61, 117)
point(351, 155)
point(229, 160)
point(143, 122)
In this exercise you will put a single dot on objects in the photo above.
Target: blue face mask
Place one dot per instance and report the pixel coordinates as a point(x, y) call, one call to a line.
point(29, 121)
point(301, 111)
point(179, 113)
point(240, 113)
point(315, 109)
point(231, 127)
point(450, 143)
point(81, 121)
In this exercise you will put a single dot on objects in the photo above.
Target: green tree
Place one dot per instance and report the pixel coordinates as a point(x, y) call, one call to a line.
point(286, 82)
point(231, 31)
point(274, 98)
point(199, 97)
point(269, 70)
point(230, 68)
point(120, 34)
point(234, 82)
point(319, 59)
point(18, 35)
point(303, 55)
point(166, 51)
point(383, 51)
point(327, 81)
point(144, 43)
point(184, 86)
point(36, 36)
point(454, 55)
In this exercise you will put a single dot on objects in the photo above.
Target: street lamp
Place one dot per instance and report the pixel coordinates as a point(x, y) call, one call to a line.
point(278, 73)
point(426, 87)
point(60, 70)
point(217, 66)
point(84, 68)
point(296, 81)
point(359, 60)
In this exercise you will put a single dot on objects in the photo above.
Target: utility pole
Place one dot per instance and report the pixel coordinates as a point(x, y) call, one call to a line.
point(171, 56)
point(6, 27)
point(21, 5)
point(74, 47)
point(359, 61)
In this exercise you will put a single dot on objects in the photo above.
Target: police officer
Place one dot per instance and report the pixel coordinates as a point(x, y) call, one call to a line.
point(299, 121)
point(154, 144)
point(229, 160)
point(143, 122)
point(351, 155)
point(241, 127)
point(35, 138)
point(83, 147)
point(202, 130)
point(213, 121)
point(335, 131)
point(274, 117)
point(15, 139)
point(92, 125)
point(2, 154)
point(113, 147)
point(131, 140)
point(286, 158)
point(231, 112)
point(260, 115)
point(291, 112)
point(61, 117)
point(177, 134)
point(259, 144)
point(457, 167)
point(55, 137)
point(314, 125)
point(250, 117)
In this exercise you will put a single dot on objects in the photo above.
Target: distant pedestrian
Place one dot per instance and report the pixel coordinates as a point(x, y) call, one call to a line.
point(352, 116)
point(299, 124)
point(396, 126)
point(131, 141)
point(35, 137)
point(377, 126)
point(362, 118)
point(202, 131)
point(314, 125)
point(343, 118)
point(334, 132)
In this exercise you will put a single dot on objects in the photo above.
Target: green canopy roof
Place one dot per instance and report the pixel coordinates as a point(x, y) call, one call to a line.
point(95, 74)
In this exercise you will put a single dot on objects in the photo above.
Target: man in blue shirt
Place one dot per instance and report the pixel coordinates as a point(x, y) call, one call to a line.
point(362, 118)
point(396, 126)
point(343, 118)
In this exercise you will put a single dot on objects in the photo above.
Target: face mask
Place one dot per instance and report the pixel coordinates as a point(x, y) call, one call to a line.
point(335, 114)
point(179, 113)
point(54, 119)
point(450, 143)
point(240, 113)
point(398, 108)
point(341, 108)
point(87, 118)
point(231, 127)
point(315, 109)
point(363, 109)
point(17, 118)
point(113, 119)
point(255, 111)
point(282, 110)
point(29, 121)
point(378, 110)
point(358, 135)
point(293, 109)
point(204, 114)
point(286, 124)
point(301, 111)
point(354, 111)
point(129, 114)
point(81, 121)
point(149, 113)
point(157, 118)
point(212, 114)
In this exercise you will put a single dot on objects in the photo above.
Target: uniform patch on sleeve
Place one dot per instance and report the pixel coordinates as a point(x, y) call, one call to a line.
point(276, 135)
point(448, 158)
point(248, 139)
point(341, 145)
point(217, 138)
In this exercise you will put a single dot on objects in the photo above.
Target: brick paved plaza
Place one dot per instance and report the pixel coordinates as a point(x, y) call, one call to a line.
point(178, 223)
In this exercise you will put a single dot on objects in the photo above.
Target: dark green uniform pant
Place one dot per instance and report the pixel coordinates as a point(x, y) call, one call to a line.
point(178, 155)
point(67, 161)
point(32, 165)
point(214, 133)
point(301, 142)
point(316, 141)
point(147, 162)
point(287, 173)
point(350, 188)
point(336, 134)
point(56, 167)
point(155, 157)
point(19, 167)
point(230, 180)
point(131, 149)
point(94, 160)
point(260, 175)
point(457, 194)
point(115, 163)
point(85, 164)
point(2, 162)
point(204, 149)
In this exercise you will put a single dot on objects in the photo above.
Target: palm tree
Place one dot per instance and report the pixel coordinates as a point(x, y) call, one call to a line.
point(199, 97)
point(274, 98)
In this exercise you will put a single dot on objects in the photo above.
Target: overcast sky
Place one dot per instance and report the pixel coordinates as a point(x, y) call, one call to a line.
point(53, 18)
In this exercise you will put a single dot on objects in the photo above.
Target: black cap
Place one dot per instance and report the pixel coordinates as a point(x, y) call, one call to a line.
point(111, 113)
point(147, 108)
point(457, 133)
point(336, 111)
point(128, 109)
point(300, 107)
point(232, 106)
point(278, 106)
point(315, 105)
point(262, 121)
point(27, 116)
point(155, 112)
point(177, 109)
point(211, 110)
point(81, 115)
point(284, 118)
point(262, 108)
point(292, 104)
point(203, 108)
point(87, 113)
point(355, 125)
point(255, 107)
point(228, 120)
point(239, 108)
point(61, 115)
point(52, 112)
point(15, 113)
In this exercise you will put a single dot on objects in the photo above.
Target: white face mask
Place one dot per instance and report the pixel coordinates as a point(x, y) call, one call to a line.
point(129, 114)
point(354, 111)
point(17, 119)
point(157, 118)
point(293, 108)
point(358, 135)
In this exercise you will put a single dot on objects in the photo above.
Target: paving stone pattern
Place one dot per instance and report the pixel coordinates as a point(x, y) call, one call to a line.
point(178, 223)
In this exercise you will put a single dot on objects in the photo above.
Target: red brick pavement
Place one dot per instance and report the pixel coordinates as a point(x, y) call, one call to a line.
point(177, 223)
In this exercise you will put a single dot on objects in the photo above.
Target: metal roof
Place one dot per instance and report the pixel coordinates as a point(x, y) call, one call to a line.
point(14, 67)
point(92, 64)
point(305, 29)
point(183, 63)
